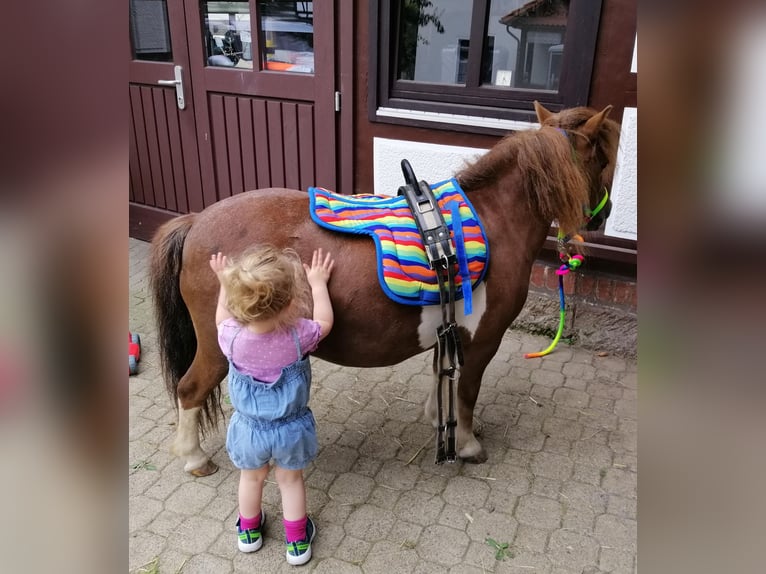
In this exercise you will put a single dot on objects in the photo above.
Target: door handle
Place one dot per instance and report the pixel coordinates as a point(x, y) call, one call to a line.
point(179, 84)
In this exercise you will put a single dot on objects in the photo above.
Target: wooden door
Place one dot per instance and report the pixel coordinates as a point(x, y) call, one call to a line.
point(260, 96)
point(265, 113)
point(164, 160)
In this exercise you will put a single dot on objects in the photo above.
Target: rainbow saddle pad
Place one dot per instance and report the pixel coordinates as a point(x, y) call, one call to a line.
point(403, 269)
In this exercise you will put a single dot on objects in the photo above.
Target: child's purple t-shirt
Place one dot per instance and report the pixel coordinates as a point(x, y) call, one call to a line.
point(263, 356)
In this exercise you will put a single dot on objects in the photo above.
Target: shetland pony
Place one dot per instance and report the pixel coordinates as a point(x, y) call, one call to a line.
point(528, 179)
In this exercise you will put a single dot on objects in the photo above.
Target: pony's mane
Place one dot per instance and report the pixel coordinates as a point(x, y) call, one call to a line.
point(552, 181)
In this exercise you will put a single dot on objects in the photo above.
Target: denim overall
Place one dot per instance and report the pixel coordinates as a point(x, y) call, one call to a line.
point(272, 420)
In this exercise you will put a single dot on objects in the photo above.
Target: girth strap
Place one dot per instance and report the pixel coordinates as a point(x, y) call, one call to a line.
point(441, 257)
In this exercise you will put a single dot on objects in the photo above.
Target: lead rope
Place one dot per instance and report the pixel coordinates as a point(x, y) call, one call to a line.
point(569, 263)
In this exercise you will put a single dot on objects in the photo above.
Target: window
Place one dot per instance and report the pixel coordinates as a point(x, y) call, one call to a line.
point(485, 58)
point(287, 35)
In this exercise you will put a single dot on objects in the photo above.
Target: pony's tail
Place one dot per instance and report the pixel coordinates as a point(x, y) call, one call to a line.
point(176, 339)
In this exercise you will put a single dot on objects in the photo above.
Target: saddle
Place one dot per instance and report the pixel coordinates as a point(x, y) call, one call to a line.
point(404, 271)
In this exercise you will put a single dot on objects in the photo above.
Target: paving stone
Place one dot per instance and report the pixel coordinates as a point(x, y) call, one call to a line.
point(143, 547)
point(616, 532)
point(524, 562)
point(387, 557)
point(526, 439)
point(328, 540)
point(370, 523)
point(442, 545)
point(551, 379)
point(546, 487)
point(593, 453)
point(334, 566)
point(194, 534)
point(551, 465)
point(206, 563)
point(538, 511)
point(418, 507)
point(531, 538)
point(166, 522)
point(351, 488)
point(190, 498)
point(352, 550)
point(616, 561)
point(620, 482)
point(466, 492)
point(572, 550)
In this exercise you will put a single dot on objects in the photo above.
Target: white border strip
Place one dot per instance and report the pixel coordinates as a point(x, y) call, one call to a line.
point(495, 123)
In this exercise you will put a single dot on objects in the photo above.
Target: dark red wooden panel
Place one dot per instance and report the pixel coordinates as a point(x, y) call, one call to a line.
point(136, 187)
point(261, 141)
point(290, 140)
point(153, 145)
point(245, 111)
point(141, 145)
point(177, 155)
point(306, 145)
point(274, 113)
point(163, 142)
point(233, 143)
point(218, 119)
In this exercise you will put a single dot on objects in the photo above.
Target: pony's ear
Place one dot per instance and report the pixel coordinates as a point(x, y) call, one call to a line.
point(591, 127)
point(542, 113)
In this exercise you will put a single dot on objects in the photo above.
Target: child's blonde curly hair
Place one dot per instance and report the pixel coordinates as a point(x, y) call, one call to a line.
point(267, 283)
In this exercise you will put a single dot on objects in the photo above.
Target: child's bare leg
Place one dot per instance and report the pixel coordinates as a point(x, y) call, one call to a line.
point(251, 491)
point(293, 492)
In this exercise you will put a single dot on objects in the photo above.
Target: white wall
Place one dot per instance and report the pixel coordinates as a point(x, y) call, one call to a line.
point(623, 222)
point(431, 162)
point(436, 162)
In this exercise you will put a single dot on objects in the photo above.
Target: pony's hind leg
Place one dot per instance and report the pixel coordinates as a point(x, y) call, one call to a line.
point(198, 405)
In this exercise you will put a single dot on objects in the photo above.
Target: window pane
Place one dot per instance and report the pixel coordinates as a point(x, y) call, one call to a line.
point(149, 31)
point(288, 36)
point(528, 40)
point(433, 40)
point(226, 27)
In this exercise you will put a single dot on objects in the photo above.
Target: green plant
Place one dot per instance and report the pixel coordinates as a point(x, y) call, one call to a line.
point(501, 548)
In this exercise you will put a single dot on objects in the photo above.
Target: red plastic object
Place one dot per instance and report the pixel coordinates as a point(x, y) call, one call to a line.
point(134, 352)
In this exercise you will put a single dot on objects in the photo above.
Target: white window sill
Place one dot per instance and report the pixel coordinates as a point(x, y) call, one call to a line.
point(442, 118)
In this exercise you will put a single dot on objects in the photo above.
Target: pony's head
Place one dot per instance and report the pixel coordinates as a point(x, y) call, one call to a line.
point(594, 139)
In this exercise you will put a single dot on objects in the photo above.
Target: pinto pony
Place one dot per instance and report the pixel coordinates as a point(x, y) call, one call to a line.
point(528, 179)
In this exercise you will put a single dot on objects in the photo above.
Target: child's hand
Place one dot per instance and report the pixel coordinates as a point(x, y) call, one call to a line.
point(319, 271)
point(218, 263)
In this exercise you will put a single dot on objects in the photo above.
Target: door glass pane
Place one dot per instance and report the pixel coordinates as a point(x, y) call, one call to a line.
point(288, 36)
point(149, 32)
point(528, 43)
point(226, 30)
point(433, 40)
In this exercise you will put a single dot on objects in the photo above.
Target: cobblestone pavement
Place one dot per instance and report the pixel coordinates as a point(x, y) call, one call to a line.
point(559, 487)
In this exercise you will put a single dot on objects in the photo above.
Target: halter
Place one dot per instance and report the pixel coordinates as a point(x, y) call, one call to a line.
point(569, 263)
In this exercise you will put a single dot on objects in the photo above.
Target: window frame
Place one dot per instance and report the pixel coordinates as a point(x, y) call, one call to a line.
point(472, 99)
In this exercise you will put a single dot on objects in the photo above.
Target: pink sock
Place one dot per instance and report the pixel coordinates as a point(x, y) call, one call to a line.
point(295, 529)
point(248, 523)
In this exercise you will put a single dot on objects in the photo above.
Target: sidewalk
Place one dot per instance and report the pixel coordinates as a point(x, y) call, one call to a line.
point(559, 486)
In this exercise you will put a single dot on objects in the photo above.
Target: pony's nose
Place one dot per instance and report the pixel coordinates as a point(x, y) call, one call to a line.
point(597, 220)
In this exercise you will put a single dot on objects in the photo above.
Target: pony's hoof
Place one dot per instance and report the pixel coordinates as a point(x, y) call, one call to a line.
point(205, 470)
point(477, 458)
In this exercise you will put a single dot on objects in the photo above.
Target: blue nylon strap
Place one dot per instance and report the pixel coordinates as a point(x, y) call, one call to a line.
point(462, 258)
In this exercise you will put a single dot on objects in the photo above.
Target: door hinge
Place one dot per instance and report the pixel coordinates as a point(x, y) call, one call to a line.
point(337, 101)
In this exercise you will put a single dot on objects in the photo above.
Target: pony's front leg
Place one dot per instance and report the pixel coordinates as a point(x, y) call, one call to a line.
point(194, 390)
point(468, 446)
